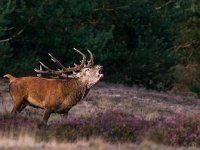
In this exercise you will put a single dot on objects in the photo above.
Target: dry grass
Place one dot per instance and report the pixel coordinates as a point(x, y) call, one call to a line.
point(26, 142)
point(123, 117)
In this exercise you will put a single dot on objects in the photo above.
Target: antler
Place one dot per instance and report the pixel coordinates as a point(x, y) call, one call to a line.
point(91, 61)
point(63, 69)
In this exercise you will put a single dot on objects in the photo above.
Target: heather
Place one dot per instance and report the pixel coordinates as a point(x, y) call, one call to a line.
point(174, 131)
point(111, 116)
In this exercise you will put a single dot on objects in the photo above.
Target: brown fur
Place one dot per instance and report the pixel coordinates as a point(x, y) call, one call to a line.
point(52, 95)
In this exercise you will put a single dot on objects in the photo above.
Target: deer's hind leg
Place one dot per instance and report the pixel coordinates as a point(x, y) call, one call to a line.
point(18, 105)
point(17, 95)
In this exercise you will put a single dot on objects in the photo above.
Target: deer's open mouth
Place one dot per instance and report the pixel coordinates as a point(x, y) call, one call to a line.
point(100, 72)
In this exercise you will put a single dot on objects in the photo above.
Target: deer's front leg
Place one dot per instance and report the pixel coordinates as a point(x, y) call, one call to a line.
point(46, 115)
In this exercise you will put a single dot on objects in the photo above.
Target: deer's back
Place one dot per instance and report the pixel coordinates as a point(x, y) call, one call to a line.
point(38, 92)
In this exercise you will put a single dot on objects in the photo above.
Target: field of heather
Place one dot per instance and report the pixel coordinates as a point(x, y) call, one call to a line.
point(111, 117)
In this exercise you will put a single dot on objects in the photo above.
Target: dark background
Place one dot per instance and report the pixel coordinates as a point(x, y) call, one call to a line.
point(139, 42)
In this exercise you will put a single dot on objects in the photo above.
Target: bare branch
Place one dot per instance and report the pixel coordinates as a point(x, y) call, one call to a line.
point(169, 2)
point(8, 39)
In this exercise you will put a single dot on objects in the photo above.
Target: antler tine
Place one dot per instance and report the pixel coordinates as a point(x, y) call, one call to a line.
point(56, 61)
point(47, 71)
point(83, 61)
point(43, 65)
point(63, 69)
point(39, 75)
point(91, 61)
point(75, 68)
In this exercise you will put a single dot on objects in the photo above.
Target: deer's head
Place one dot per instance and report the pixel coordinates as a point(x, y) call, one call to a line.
point(86, 73)
point(90, 75)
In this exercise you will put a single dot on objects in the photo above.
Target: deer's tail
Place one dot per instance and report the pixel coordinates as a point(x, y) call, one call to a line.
point(10, 77)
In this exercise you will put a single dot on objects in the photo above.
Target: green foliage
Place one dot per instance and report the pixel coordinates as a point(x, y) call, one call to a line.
point(188, 43)
point(141, 44)
point(133, 40)
point(5, 49)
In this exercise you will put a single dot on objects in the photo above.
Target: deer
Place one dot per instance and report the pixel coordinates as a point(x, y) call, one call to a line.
point(65, 88)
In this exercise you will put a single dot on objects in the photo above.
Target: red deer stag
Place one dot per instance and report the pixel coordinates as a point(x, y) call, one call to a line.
point(54, 95)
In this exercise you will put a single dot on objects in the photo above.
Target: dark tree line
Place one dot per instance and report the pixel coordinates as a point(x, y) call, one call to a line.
point(137, 41)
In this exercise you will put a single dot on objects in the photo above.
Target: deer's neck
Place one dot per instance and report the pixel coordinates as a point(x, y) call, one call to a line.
point(86, 82)
point(77, 88)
